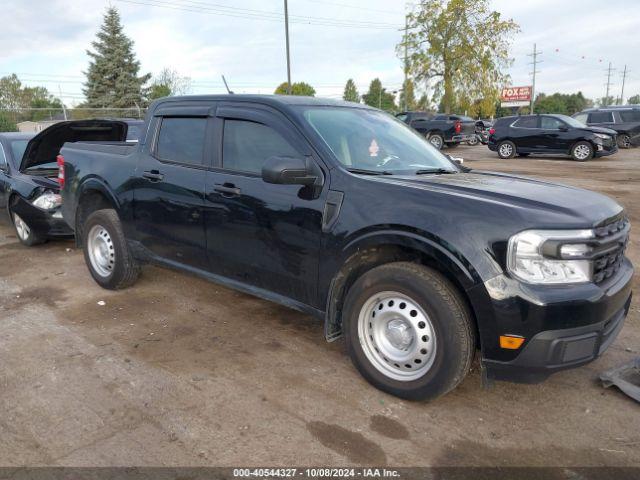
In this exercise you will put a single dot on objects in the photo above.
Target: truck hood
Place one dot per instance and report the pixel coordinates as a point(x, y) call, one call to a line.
point(44, 147)
point(524, 193)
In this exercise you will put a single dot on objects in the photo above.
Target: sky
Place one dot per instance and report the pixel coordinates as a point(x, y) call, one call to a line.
point(45, 42)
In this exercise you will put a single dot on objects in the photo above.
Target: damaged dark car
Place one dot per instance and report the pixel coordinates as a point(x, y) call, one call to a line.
point(29, 183)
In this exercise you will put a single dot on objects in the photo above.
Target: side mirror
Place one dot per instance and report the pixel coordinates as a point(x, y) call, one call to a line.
point(289, 171)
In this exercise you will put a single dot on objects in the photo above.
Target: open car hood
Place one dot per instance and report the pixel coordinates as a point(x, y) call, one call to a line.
point(45, 146)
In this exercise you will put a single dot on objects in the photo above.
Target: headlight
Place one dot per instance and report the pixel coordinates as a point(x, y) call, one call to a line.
point(549, 256)
point(48, 201)
point(603, 136)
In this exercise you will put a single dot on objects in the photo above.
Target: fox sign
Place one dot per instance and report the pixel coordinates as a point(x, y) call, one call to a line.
point(515, 96)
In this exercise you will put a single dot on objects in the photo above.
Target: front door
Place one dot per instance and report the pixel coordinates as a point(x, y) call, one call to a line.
point(263, 235)
point(555, 134)
point(169, 193)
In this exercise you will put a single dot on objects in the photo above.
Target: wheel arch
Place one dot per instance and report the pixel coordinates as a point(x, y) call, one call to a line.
point(93, 195)
point(378, 248)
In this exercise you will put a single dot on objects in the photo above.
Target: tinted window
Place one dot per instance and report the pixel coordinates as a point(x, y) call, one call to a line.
point(551, 123)
point(3, 160)
point(133, 132)
point(600, 117)
point(581, 117)
point(402, 116)
point(17, 151)
point(526, 122)
point(246, 145)
point(441, 117)
point(182, 140)
point(630, 115)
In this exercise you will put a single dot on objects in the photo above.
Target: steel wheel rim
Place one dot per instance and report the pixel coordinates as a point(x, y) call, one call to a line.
point(397, 336)
point(436, 141)
point(581, 152)
point(506, 149)
point(101, 250)
point(22, 228)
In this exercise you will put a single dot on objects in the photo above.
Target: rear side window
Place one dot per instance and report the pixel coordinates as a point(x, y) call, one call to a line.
point(246, 145)
point(181, 140)
point(601, 117)
point(441, 117)
point(581, 117)
point(526, 122)
point(630, 115)
point(402, 116)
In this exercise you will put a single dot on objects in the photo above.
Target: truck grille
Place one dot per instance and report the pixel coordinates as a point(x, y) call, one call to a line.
point(612, 240)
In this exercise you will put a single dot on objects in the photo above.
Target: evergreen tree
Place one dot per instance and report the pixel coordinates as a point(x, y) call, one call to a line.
point(112, 79)
point(351, 92)
point(378, 97)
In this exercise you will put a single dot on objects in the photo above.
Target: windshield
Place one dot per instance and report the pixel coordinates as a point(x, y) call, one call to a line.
point(17, 150)
point(370, 140)
point(572, 122)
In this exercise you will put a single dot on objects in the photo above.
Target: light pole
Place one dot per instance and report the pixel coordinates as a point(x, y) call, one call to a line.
point(286, 31)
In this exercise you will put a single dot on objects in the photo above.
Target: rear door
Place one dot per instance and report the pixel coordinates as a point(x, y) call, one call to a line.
point(526, 134)
point(263, 235)
point(170, 179)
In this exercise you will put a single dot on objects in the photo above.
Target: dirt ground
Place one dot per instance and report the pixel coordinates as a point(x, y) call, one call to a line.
point(180, 372)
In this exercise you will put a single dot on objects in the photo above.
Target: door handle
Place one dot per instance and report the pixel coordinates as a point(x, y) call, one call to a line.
point(153, 175)
point(227, 190)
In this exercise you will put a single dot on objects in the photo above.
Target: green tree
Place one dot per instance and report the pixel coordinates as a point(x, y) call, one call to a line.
point(168, 83)
point(408, 96)
point(462, 44)
point(423, 103)
point(7, 124)
point(606, 101)
point(11, 93)
point(297, 88)
point(378, 97)
point(634, 100)
point(14, 96)
point(566, 104)
point(351, 92)
point(112, 78)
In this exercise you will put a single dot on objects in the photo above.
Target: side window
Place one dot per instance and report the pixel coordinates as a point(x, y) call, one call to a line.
point(550, 123)
point(630, 115)
point(440, 117)
point(3, 159)
point(246, 145)
point(526, 122)
point(402, 117)
point(181, 140)
point(601, 117)
point(581, 117)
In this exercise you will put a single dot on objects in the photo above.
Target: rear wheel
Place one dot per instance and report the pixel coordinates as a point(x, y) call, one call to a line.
point(624, 141)
point(436, 140)
point(106, 252)
point(25, 233)
point(506, 149)
point(582, 151)
point(474, 141)
point(408, 331)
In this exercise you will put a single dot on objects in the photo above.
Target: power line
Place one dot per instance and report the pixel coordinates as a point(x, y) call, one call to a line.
point(535, 70)
point(608, 84)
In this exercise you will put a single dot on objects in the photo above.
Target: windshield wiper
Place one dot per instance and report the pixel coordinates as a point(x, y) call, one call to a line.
point(363, 171)
point(425, 171)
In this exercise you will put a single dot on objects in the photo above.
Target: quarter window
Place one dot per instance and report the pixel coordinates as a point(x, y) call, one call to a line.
point(601, 117)
point(526, 122)
point(550, 123)
point(246, 145)
point(181, 140)
point(582, 117)
point(630, 115)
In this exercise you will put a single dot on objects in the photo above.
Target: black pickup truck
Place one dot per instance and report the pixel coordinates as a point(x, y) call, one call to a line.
point(345, 213)
point(441, 129)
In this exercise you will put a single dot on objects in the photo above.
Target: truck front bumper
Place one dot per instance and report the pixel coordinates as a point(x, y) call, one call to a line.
point(563, 328)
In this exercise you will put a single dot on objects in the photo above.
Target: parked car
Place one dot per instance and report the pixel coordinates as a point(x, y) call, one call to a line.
point(625, 120)
point(556, 134)
point(29, 184)
point(441, 129)
point(482, 132)
point(339, 211)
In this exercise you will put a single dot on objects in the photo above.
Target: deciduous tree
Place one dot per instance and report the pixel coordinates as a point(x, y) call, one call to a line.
point(634, 100)
point(168, 83)
point(298, 88)
point(462, 45)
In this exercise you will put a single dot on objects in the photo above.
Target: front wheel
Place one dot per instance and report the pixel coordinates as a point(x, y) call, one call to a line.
point(106, 252)
point(474, 141)
point(582, 151)
point(25, 233)
point(408, 331)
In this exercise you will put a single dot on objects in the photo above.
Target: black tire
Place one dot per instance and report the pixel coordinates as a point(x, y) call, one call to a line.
point(448, 315)
point(624, 141)
point(582, 151)
point(506, 149)
point(124, 269)
point(436, 139)
point(523, 154)
point(25, 233)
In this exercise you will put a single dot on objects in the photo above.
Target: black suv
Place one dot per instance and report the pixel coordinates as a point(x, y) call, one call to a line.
point(625, 120)
point(557, 134)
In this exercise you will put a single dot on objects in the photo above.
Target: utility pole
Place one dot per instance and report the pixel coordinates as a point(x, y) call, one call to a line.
point(64, 110)
point(624, 76)
point(286, 31)
point(608, 84)
point(535, 63)
point(406, 61)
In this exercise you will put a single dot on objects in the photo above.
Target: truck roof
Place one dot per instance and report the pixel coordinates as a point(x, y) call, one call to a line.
point(273, 100)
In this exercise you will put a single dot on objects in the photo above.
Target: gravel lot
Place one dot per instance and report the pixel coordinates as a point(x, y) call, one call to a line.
point(178, 371)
